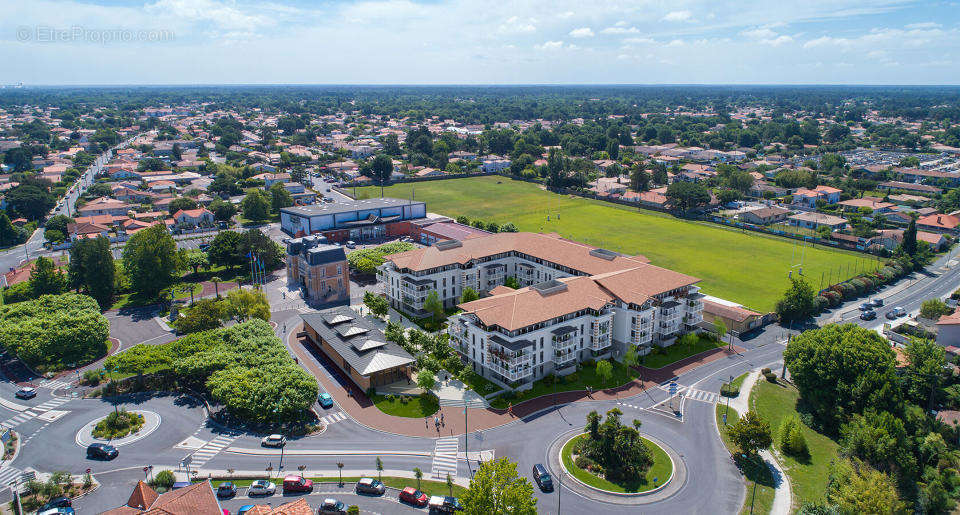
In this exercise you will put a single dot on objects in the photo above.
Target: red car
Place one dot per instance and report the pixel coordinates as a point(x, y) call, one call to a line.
point(295, 483)
point(413, 496)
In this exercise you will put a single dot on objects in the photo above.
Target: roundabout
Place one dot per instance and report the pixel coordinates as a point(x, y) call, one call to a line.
point(668, 469)
point(151, 421)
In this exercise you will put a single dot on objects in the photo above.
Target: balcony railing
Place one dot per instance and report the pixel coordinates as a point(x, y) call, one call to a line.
point(601, 342)
point(562, 358)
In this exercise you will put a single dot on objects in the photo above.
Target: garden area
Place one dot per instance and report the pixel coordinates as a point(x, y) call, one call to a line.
point(588, 376)
point(743, 267)
point(687, 345)
point(60, 484)
point(408, 406)
point(732, 388)
point(117, 425)
point(613, 456)
point(757, 476)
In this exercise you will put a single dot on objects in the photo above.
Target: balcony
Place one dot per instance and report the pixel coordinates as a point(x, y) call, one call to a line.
point(564, 358)
point(511, 360)
point(598, 343)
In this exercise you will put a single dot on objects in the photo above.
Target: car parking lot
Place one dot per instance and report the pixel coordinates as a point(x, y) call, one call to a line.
point(387, 503)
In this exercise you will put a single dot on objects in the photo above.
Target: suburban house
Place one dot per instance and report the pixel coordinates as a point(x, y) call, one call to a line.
point(937, 241)
point(358, 220)
point(588, 303)
point(946, 224)
point(735, 317)
point(494, 164)
point(948, 330)
point(877, 205)
point(269, 179)
point(764, 216)
point(85, 230)
point(196, 499)
point(909, 186)
point(319, 269)
point(104, 206)
point(808, 198)
point(814, 220)
point(193, 217)
point(357, 347)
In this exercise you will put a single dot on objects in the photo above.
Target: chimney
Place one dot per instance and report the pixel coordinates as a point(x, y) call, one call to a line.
point(938, 219)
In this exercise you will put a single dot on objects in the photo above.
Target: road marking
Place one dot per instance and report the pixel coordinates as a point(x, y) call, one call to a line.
point(445, 458)
point(333, 418)
point(54, 384)
point(211, 449)
point(7, 474)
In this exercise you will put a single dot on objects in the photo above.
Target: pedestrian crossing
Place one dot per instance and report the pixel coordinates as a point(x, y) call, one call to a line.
point(478, 403)
point(445, 458)
point(54, 384)
point(18, 419)
point(55, 402)
point(333, 418)
point(8, 474)
point(211, 449)
point(692, 393)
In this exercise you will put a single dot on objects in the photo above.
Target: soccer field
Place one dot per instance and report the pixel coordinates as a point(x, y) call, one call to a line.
point(744, 267)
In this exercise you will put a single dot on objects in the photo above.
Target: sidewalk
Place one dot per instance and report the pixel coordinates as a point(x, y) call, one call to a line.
point(290, 467)
point(457, 421)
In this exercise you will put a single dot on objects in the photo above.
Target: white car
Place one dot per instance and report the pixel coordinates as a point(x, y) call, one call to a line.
point(273, 441)
point(262, 487)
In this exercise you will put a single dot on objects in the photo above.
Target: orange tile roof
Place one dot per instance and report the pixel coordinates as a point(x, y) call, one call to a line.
point(142, 497)
point(196, 499)
point(550, 247)
point(941, 221)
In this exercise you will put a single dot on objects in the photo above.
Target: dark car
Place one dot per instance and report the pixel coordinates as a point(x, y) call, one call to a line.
point(332, 506)
point(27, 392)
point(876, 302)
point(542, 477)
point(226, 489)
point(368, 485)
point(57, 502)
point(444, 504)
point(868, 315)
point(102, 451)
point(866, 306)
point(413, 496)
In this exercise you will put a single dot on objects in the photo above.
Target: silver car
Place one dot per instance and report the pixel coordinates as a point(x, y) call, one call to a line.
point(273, 441)
point(262, 487)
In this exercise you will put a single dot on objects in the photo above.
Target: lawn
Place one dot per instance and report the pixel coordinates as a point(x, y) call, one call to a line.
point(415, 406)
point(481, 385)
point(668, 355)
point(661, 470)
point(808, 477)
point(427, 487)
point(129, 300)
point(733, 386)
point(742, 266)
point(586, 376)
point(754, 472)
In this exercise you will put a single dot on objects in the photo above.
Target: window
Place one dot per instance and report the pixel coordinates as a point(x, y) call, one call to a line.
point(339, 269)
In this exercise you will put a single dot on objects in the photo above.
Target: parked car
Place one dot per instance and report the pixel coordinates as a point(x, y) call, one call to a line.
point(245, 508)
point(102, 451)
point(877, 302)
point(295, 483)
point(351, 244)
point(27, 392)
point(332, 506)
point(542, 477)
point(57, 502)
point(325, 400)
point(262, 487)
point(868, 315)
point(444, 504)
point(66, 510)
point(273, 441)
point(413, 496)
point(368, 485)
point(226, 489)
point(180, 484)
point(866, 306)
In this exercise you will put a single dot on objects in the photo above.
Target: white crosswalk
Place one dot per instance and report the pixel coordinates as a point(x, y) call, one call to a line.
point(55, 402)
point(333, 418)
point(700, 395)
point(211, 449)
point(54, 384)
point(8, 474)
point(18, 419)
point(445, 458)
point(34, 411)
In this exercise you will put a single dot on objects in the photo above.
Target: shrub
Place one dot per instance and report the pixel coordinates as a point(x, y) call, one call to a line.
point(791, 437)
point(584, 463)
point(118, 424)
point(771, 377)
point(728, 390)
point(860, 285)
point(833, 298)
point(549, 379)
point(848, 291)
point(764, 371)
point(820, 303)
point(164, 479)
point(353, 510)
point(92, 377)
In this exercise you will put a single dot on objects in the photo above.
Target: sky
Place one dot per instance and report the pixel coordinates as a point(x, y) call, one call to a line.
point(71, 42)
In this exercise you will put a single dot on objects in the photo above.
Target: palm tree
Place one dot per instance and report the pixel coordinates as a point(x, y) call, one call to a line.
point(340, 472)
point(216, 284)
point(417, 473)
point(301, 468)
point(450, 484)
point(379, 469)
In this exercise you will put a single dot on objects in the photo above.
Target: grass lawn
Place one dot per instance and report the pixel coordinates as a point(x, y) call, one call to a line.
point(587, 376)
point(808, 476)
point(661, 470)
point(481, 385)
point(742, 266)
point(427, 487)
point(129, 300)
point(754, 473)
point(415, 407)
point(735, 385)
point(676, 352)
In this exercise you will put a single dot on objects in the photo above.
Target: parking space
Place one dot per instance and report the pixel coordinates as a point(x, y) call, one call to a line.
point(387, 503)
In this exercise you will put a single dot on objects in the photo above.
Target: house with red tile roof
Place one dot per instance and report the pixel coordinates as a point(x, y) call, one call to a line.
point(104, 206)
point(196, 499)
point(946, 224)
point(193, 217)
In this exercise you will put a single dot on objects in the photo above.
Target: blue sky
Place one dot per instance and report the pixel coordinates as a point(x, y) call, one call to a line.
point(480, 41)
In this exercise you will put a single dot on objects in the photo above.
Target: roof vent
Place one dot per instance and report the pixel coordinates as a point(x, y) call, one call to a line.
point(550, 287)
point(335, 318)
point(351, 331)
point(448, 244)
point(609, 255)
point(366, 345)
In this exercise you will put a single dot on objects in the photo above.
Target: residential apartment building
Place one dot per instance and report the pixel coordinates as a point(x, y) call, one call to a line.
point(576, 302)
point(320, 270)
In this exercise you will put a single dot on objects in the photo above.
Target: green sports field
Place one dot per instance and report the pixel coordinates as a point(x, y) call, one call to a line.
point(744, 267)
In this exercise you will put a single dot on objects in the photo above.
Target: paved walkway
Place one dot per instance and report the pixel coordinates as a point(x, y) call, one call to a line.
point(455, 420)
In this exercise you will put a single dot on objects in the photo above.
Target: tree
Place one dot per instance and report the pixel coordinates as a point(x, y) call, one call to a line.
point(184, 203)
point(497, 488)
point(720, 328)
point(93, 269)
point(639, 178)
point(468, 295)
point(196, 260)
point(841, 370)
point(426, 379)
point(790, 436)
point(58, 223)
point(856, 488)
point(685, 196)
point(909, 243)
point(379, 469)
point(256, 206)
point(631, 357)
point(46, 278)
point(267, 251)
point(879, 438)
point(449, 485)
point(797, 302)
point(279, 197)
point(202, 315)
point(604, 370)
point(508, 227)
point(933, 309)
point(225, 249)
point(381, 167)
point(377, 305)
point(30, 201)
point(617, 448)
point(751, 433)
point(151, 260)
point(216, 280)
point(222, 210)
point(246, 303)
point(433, 304)
point(9, 235)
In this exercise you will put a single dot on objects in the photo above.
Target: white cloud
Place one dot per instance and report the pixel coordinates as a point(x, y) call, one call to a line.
point(759, 33)
point(549, 45)
point(924, 25)
point(678, 16)
point(514, 25)
point(620, 29)
point(638, 41)
point(582, 32)
point(565, 15)
point(777, 41)
point(219, 14)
